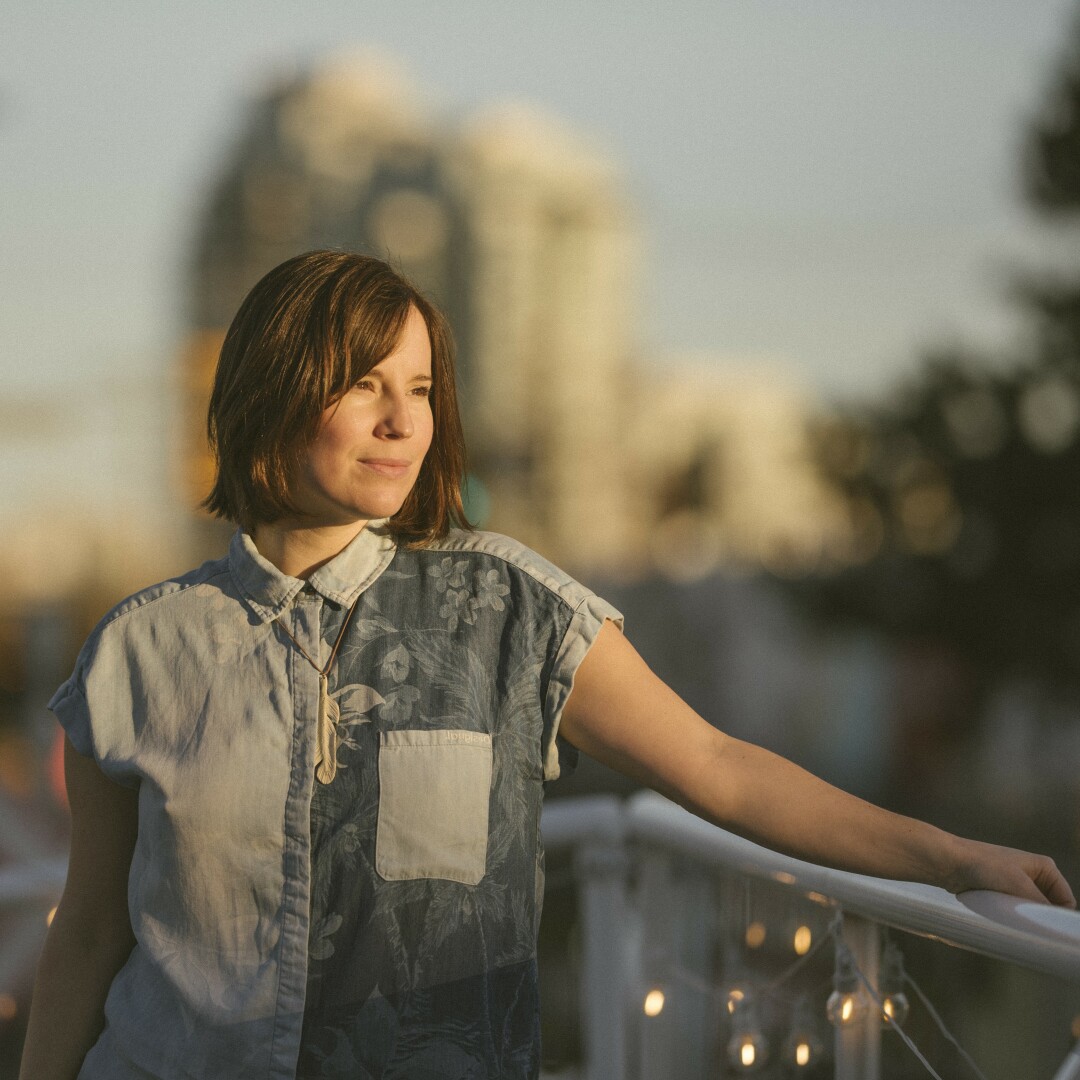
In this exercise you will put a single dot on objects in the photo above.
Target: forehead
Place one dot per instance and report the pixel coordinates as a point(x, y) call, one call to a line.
point(412, 352)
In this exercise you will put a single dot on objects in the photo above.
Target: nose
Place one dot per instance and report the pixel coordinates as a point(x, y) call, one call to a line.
point(397, 420)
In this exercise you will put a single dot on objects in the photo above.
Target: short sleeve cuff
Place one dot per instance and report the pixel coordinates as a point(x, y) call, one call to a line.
point(69, 706)
point(589, 616)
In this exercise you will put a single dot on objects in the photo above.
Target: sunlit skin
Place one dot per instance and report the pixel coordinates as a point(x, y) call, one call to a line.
point(364, 460)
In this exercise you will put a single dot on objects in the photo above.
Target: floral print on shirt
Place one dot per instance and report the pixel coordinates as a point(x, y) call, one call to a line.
point(403, 973)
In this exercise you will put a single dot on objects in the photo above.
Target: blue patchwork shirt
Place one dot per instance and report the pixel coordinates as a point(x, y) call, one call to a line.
point(384, 924)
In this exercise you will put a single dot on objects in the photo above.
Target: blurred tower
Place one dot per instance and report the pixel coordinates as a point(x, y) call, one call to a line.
point(339, 157)
point(510, 225)
point(553, 274)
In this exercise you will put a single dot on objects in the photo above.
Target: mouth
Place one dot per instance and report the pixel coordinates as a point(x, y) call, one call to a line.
point(391, 467)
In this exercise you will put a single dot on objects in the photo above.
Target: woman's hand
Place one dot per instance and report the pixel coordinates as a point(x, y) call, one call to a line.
point(620, 713)
point(1006, 870)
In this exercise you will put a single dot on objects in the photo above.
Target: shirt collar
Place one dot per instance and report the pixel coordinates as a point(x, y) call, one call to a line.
point(342, 579)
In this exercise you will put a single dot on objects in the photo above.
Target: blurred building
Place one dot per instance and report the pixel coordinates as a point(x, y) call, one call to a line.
point(521, 232)
point(724, 455)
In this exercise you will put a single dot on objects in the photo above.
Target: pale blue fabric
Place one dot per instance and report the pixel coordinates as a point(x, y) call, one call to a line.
point(189, 691)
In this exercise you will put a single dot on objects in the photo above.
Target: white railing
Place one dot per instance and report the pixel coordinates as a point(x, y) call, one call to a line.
point(648, 835)
point(32, 884)
point(27, 891)
point(640, 839)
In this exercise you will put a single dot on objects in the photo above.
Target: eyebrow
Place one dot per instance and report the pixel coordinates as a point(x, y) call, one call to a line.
point(415, 379)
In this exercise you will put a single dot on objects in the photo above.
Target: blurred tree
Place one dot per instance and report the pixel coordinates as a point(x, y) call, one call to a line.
point(1052, 158)
point(963, 490)
point(965, 522)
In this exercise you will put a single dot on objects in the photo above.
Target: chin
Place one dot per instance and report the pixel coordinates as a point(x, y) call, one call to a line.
point(381, 510)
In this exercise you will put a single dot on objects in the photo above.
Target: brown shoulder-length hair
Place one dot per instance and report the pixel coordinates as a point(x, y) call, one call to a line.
point(308, 331)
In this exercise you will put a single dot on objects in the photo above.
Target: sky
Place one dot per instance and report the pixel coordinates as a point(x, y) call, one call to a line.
point(825, 187)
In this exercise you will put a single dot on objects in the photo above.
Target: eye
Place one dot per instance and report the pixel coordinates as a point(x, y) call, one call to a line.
point(422, 391)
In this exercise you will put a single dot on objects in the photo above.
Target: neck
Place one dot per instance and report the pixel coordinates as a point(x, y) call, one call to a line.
point(299, 550)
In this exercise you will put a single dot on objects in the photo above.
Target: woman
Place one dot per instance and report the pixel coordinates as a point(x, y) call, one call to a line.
point(306, 779)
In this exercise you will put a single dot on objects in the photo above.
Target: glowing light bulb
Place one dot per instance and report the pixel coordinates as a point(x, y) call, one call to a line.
point(894, 1002)
point(847, 1003)
point(755, 935)
point(843, 1010)
point(895, 1007)
point(803, 1046)
point(747, 1049)
point(802, 940)
point(735, 997)
point(653, 1004)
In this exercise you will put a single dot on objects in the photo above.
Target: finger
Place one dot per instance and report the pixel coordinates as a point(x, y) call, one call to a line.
point(1025, 886)
point(1052, 885)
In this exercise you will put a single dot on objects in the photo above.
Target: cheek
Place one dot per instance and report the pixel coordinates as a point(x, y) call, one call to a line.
point(336, 438)
point(320, 458)
point(425, 428)
point(325, 458)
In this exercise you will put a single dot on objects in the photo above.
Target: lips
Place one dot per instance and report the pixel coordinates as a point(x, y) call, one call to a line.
point(391, 467)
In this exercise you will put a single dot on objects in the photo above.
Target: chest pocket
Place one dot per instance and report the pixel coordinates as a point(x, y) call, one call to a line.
point(433, 805)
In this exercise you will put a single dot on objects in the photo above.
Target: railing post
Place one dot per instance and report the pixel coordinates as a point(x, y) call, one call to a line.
point(858, 1045)
point(655, 907)
point(601, 865)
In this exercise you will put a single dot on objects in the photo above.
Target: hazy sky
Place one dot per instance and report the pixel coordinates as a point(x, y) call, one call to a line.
point(826, 186)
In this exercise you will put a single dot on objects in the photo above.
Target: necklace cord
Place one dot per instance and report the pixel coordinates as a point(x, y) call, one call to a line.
point(337, 643)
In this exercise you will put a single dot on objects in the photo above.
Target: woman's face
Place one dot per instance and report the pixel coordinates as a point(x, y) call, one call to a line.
point(367, 454)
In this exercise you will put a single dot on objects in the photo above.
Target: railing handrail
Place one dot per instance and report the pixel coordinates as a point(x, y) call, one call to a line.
point(1032, 935)
point(38, 882)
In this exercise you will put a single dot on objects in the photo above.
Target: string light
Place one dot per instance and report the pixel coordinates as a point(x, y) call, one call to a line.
point(734, 996)
point(755, 935)
point(802, 939)
point(747, 1049)
point(654, 1001)
point(756, 931)
point(803, 1047)
point(847, 1003)
point(894, 1002)
point(653, 988)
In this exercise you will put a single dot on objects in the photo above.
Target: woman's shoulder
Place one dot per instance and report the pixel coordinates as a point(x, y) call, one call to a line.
point(152, 601)
point(513, 554)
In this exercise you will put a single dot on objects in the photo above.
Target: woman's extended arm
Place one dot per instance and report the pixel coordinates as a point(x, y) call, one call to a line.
point(90, 936)
point(620, 713)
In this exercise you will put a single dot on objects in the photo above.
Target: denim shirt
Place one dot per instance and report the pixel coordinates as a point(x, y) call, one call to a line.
point(383, 924)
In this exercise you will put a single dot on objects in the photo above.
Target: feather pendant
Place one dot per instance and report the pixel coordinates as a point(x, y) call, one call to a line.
point(326, 743)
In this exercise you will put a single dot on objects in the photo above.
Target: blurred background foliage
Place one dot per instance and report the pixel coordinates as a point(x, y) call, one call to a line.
point(961, 488)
